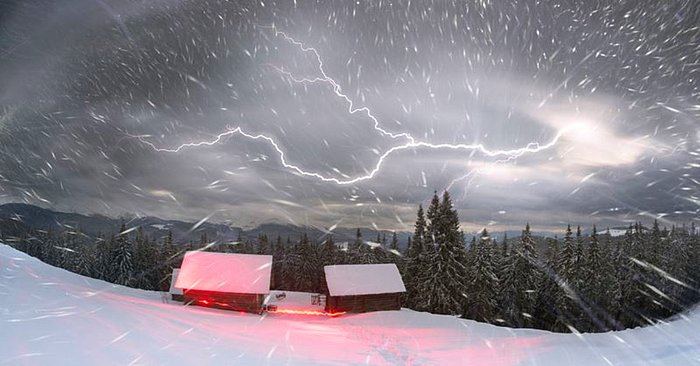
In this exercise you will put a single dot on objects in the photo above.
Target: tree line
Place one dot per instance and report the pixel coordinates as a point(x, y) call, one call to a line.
point(129, 258)
point(579, 283)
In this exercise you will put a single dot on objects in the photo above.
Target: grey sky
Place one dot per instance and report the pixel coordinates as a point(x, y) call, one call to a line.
point(618, 79)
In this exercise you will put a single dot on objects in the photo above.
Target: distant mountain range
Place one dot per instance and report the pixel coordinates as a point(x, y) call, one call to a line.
point(17, 218)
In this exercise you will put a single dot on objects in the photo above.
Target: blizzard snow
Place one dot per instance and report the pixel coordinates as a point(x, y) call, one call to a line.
point(363, 279)
point(51, 316)
point(225, 272)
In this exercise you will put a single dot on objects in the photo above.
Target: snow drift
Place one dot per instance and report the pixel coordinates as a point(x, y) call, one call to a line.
point(51, 316)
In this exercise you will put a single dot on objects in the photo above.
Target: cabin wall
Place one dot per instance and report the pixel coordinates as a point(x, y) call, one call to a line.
point(363, 303)
point(251, 303)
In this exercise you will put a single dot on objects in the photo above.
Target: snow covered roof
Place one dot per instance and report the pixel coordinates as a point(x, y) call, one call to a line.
point(225, 272)
point(363, 279)
point(174, 290)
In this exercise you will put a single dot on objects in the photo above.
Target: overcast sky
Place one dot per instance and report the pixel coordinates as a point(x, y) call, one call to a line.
point(93, 93)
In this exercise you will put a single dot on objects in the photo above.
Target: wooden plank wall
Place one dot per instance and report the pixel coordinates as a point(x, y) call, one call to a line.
point(364, 303)
point(251, 303)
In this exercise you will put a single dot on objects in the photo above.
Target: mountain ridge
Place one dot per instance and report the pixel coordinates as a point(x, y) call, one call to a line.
point(38, 218)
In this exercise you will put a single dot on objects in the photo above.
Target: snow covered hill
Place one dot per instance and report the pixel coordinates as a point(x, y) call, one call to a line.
point(614, 232)
point(52, 317)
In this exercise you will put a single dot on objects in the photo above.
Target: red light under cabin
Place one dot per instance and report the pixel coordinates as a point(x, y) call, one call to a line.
point(305, 312)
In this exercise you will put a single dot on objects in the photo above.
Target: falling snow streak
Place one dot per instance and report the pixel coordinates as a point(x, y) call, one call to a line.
point(575, 112)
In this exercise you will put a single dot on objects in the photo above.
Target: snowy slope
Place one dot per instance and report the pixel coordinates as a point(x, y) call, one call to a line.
point(50, 316)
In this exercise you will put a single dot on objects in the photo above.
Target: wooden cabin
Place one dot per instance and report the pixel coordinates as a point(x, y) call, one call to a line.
point(226, 281)
point(361, 288)
point(175, 293)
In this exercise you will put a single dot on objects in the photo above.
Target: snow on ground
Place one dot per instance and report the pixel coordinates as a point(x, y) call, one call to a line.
point(51, 316)
point(614, 232)
point(291, 300)
point(373, 244)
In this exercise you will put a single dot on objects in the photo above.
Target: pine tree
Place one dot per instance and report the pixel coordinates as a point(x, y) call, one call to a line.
point(358, 242)
point(46, 249)
point(143, 259)
point(654, 244)
point(593, 268)
point(367, 255)
point(675, 265)
point(278, 260)
point(651, 282)
point(416, 264)
point(608, 290)
point(568, 298)
point(482, 283)
point(501, 255)
point(565, 265)
point(122, 259)
point(594, 285)
point(86, 261)
point(504, 246)
point(102, 268)
point(306, 277)
point(546, 312)
point(632, 279)
point(445, 281)
point(394, 242)
point(471, 248)
point(519, 283)
point(263, 245)
point(620, 281)
point(328, 255)
point(691, 293)
point(578, 265)
point(68, 256)
point(328, 252)
point(289, 268)
point(430, 239)
point(168, 258)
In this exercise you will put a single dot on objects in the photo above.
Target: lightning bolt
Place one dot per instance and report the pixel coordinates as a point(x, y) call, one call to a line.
point(336, 87)
point(411, 142)
point(513, 153)
point(472, 174)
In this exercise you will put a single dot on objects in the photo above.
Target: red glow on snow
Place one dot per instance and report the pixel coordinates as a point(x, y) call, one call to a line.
point(183, 335)
point(305, 312)
point(217, 304)
point(209, 303)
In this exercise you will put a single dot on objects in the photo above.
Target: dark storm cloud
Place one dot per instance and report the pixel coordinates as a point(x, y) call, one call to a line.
point(81, 79)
